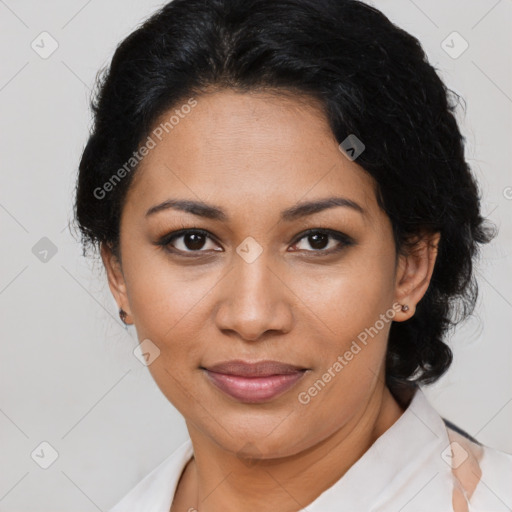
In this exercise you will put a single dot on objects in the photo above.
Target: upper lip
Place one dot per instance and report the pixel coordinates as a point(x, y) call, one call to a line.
point(256, 369)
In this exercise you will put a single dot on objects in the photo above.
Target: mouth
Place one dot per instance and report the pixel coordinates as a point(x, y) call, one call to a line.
point(254, 382)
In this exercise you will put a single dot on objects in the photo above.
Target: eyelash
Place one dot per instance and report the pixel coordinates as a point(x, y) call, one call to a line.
point(345, 241)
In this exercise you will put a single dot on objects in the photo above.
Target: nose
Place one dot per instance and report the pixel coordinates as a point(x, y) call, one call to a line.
point(254, 301)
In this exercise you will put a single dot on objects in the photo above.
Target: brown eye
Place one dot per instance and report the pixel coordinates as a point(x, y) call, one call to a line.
point(188, 241)
point(323, 241)
point(318, 240)
point(194, 241)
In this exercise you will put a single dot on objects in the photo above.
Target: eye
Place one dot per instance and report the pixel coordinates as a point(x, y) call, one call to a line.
point(188, 241)
point(318, 239)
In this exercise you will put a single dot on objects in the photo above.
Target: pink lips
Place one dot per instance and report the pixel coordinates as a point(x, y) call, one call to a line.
point(254, 382)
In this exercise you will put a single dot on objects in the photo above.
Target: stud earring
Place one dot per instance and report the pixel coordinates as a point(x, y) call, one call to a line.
point(405, 307)
point(122, 315)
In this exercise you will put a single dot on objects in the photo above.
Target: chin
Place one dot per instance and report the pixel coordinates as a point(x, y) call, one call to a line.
point(253, 440)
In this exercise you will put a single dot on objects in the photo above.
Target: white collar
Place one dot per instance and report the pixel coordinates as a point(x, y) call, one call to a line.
point(402, 471)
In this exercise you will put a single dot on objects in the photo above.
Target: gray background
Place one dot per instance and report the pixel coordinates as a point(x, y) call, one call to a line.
point(68, 375)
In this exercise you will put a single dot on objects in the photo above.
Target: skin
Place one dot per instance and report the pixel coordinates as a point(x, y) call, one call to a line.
point(254, 155)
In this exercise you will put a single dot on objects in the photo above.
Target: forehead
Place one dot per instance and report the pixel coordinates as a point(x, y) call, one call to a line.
point(262, 147)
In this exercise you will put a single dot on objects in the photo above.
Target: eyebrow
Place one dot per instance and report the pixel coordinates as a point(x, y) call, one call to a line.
point(300, 210)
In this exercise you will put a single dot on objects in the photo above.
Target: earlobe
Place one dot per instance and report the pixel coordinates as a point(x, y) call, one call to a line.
point(115, 277)
point(415, 269)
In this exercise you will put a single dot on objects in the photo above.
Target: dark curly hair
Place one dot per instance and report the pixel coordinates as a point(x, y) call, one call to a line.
point(372, 79)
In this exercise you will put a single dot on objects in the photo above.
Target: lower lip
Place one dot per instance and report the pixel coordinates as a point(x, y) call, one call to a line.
point(254, 389)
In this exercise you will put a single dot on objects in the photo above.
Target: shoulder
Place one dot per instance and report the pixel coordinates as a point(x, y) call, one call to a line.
point(482, 474)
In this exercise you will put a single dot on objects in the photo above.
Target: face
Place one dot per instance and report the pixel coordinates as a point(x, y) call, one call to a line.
point(262, 268)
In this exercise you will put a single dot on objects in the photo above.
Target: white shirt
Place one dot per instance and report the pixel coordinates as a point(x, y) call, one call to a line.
point(407, 469)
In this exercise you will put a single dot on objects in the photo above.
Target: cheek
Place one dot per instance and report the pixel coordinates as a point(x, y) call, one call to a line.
point(168, 306)
point(350, 359)
point(353, 309)
point(351, 297)
point(163, 295)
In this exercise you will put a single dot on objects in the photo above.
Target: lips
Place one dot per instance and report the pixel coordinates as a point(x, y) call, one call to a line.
point(254, 382)
point(258, 369)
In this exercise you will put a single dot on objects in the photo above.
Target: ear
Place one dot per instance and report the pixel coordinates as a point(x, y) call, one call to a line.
point(115, 277)
point(414, 271)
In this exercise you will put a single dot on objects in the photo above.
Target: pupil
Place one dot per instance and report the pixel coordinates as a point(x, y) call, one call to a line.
point(316, 244)
point(194, 241)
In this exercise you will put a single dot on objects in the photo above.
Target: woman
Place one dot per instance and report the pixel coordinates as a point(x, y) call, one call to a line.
point(279, 194)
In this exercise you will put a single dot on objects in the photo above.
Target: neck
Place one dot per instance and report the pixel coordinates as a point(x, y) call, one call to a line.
point(216, 479)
